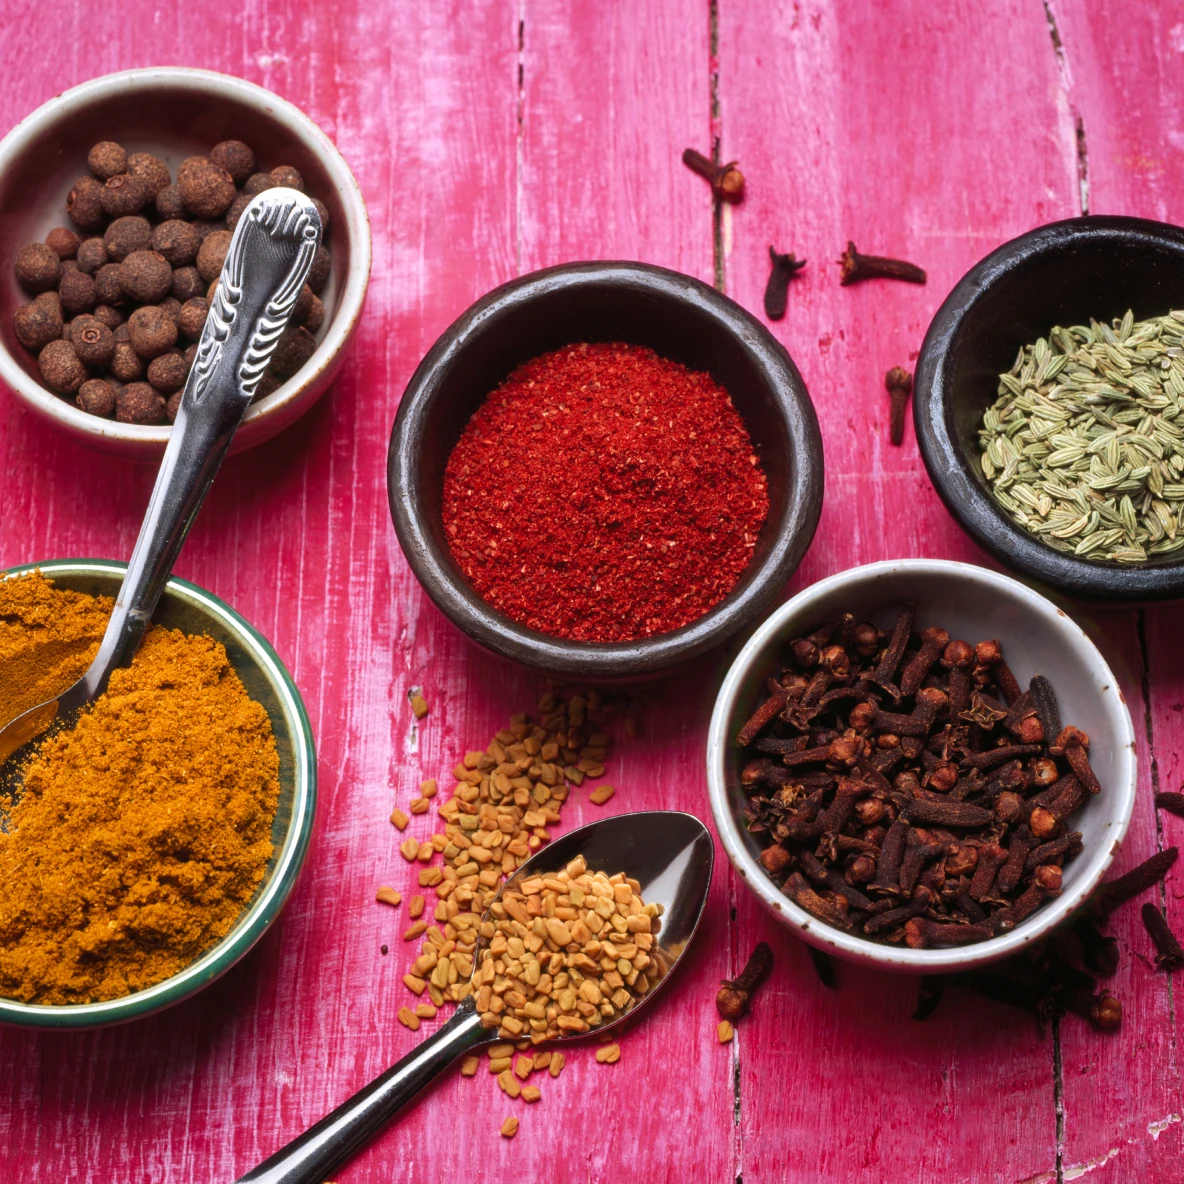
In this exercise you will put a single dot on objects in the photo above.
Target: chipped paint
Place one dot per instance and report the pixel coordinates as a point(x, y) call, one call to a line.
point(1155, 1129)
point(1076, 1170)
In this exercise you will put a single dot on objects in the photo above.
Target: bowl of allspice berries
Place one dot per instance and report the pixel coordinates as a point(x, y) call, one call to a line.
point(117, 204)
point(922, 766)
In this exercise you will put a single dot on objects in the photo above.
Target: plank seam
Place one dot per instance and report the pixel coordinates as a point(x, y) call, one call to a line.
point(1066, 80)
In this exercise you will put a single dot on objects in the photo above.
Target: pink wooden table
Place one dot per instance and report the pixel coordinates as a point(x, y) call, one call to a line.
point(492, 137)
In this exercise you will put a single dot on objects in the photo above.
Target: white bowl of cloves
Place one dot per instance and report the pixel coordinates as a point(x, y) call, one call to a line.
point(921, 765)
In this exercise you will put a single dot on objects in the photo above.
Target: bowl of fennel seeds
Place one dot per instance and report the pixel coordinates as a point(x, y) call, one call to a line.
point(1049, 407)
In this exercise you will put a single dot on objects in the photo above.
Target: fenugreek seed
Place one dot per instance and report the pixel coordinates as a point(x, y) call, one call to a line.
point(541, 1060)
point(415, 907)
point(468, 1067)
point(523, 1066)
point(425, 852)
point(425, 1011)
point(725, 1032)
point(419, 805)
point(414, 931)
point(427, 789)
point(388, 896)
point(609, 1054)
point(400, 821)
point(500, 1064)
point(408, 1018)
point(509, 1128)
point(509, 1083)
point(555, 1067)
point(414, 983)
point(601, 794)
point(531, 1093)
point(409, 849)
point(429, 877)
point(419, 705)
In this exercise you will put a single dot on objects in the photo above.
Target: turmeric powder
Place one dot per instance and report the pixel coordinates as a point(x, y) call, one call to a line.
point(141, 833)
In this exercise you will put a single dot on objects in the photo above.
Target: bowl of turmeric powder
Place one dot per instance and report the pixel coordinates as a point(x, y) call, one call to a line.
point(168, 826)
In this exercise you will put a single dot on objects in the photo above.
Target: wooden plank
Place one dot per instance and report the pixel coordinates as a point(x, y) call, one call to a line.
point(863, 121)
point(1122, 1096)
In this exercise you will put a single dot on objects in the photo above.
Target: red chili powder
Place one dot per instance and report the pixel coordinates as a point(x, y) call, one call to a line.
point(604, 493)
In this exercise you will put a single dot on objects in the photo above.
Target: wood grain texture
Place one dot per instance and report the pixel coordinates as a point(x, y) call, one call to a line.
point(491, 137)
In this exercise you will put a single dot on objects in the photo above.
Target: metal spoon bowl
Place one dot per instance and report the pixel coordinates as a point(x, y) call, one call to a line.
point(669, 853)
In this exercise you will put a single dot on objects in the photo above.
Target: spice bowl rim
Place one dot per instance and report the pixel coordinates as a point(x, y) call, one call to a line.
point(258, 916)
point(952, 468)
point(805, 610)
point(298, 393)
point(647, 657)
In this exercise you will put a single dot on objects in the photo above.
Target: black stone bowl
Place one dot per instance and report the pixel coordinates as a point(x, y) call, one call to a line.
point(1061, 274)
point(678, 317)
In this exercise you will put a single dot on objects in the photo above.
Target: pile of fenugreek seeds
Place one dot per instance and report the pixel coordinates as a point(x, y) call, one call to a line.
point(1084, 447)
point(563, 953)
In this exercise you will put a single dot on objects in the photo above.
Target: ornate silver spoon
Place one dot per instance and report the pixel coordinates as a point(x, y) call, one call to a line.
point(668, 853)
point(266, 264)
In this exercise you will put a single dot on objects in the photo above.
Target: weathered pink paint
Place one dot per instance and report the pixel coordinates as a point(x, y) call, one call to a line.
point(489, 139)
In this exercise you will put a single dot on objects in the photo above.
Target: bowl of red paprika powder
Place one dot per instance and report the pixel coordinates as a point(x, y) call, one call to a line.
point(605, 470)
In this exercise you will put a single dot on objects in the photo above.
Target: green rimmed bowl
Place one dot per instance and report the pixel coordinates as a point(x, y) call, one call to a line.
point(190, 608)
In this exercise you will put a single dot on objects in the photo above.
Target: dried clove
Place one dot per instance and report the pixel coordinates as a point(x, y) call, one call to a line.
point(727, 181)
point(1173, 803)
point(1108, 896)
point(857, 267)
point(899, 383)
point(784, 268)
point(735, 994)
point(1169, 955)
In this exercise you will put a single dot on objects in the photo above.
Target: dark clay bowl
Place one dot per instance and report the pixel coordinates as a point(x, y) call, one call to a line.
point(1061, 274)
point(674, 315)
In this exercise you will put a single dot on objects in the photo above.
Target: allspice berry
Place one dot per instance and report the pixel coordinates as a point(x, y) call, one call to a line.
point(97, 397)
point(93, 342)
point(38, 323)
point(91, 255)
point(171, 307)
point(257, 183)
point(206, 226)
point(125, 362)
point(126, 235)
point(173, 406)
point(167, 373)
point(268, 384)
point(318, 274)
point(212, 254)
point(106, 159)
point(169, 203)
point(187, 284)
point(63, 242)
point(152, 331)
point(206, 189)
point(235, 212)
point(145, 276)
point(123, 195)
point(85, 204)
point(287, 176)
point(295, 346)
point(316, 315)
point(323, 211)
point(177, 241)
point(108, 288)
point(139, 403)
point(111, 317)
point(38, 267)
point(61, 368)
point(78, 292)
point(193, 317)
point(151, 170)
point(235, 157)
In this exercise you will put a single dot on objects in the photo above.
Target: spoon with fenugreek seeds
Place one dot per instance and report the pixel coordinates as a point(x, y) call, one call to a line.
point(266, 264)
point(578, 940)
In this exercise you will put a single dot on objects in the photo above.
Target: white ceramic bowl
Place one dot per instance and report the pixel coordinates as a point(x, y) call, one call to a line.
point(174, 112)
point(973, 604)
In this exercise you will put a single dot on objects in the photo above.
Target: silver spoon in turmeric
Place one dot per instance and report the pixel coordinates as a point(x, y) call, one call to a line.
point(633, 884)
point(266, 265)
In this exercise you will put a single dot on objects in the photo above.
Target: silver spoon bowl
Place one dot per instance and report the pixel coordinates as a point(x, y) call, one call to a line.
point(670, 854)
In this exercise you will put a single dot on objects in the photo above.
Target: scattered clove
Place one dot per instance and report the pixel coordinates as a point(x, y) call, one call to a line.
point(1173, 803)
point(1169, 955)
point(727, 181)
point(857, 267)
point(1108, 896)
point(784, 268)
point(735, 994)
point(900, 385)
